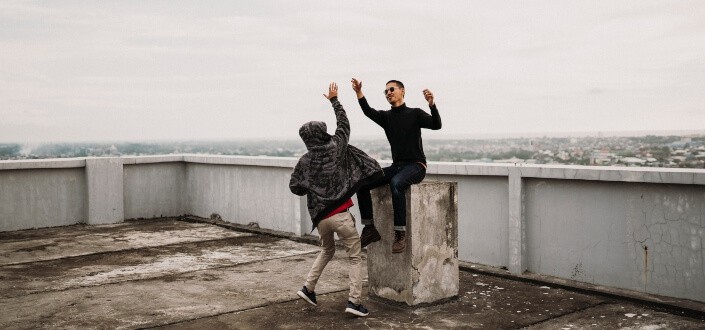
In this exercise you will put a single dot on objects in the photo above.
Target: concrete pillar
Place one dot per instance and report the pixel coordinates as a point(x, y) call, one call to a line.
point(517, 232)
point(104, 177)
point(427, 271)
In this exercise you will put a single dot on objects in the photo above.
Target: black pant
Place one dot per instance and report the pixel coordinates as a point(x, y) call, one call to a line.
point(399, 177)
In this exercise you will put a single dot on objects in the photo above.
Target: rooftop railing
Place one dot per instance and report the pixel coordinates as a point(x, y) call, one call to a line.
point(640, 229)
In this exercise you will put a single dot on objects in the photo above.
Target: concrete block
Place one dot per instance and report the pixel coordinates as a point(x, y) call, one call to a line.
point(104, 178)
point(427, 271)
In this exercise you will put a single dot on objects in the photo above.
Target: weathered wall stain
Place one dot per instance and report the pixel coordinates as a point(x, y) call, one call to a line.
point(577, 271)
point(646, 266)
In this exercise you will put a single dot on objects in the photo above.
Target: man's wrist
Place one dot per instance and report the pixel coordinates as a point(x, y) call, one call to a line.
point(333, 99)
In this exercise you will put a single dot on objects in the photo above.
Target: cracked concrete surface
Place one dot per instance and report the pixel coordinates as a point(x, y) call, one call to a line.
point(643, 237)
point(666, 248)
point(231, 280)
point(149, 262)
point(49, 243)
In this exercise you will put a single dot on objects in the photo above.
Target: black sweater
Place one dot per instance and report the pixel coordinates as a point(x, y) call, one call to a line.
point(403, 125)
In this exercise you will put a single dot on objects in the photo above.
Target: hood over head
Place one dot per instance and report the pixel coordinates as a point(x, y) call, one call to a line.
point(314, 134)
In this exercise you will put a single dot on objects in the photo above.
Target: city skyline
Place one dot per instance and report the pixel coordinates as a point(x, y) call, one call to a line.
point(650, 151)
point(132, 71)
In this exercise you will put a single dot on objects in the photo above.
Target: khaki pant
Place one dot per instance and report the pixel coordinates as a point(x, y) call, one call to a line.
point(342, 224)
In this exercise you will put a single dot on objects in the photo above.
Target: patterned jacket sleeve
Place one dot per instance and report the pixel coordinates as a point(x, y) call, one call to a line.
point(295, 183)
point(342, 132)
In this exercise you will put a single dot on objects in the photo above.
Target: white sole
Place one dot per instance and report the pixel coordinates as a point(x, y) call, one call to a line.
point(303, 296)
point(355, 311)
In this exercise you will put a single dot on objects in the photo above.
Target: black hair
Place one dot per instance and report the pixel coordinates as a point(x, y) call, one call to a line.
point(399, 83)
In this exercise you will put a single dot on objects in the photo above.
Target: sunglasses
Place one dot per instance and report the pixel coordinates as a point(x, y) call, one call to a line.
point(390, 90)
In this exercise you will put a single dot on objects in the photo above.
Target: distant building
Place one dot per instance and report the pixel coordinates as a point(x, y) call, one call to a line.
point(633, 161)
point(113, 151)
point(601, 157)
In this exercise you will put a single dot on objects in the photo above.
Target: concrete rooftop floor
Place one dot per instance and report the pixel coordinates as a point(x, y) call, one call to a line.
point(173, 274)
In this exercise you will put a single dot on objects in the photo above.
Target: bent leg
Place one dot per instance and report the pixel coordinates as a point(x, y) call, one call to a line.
point(364, 199)
point(408, 174)
point(350, 239)
point(325, 230)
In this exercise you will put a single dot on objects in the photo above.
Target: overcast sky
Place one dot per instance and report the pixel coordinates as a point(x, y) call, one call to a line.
point(156, 70)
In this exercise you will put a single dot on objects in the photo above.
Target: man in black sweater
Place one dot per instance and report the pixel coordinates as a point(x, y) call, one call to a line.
point(402, 125)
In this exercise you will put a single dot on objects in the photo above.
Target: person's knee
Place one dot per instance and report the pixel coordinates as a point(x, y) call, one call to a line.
point(353, 247)
point(328, 253)
point(354, 253)
point(398, 186)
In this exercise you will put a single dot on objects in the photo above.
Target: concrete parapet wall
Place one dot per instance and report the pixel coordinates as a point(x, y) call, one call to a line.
point(639, 236)
point(482, 204)
point(244, 194)
point(153, 190)
point(42, 197)
point(636, 228)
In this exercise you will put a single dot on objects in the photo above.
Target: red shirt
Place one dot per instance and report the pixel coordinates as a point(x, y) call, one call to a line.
point(346, 205)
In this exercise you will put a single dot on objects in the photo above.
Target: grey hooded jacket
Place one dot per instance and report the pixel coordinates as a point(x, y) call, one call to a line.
point(332, 170)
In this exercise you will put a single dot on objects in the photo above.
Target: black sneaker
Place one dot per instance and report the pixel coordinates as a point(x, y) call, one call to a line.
point(358, 310)
point(369, 235)
point(309, 296)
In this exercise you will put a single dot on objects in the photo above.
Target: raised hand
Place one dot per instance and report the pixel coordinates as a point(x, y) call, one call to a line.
point(332, 91)
point(357, 87)
point(428, 96)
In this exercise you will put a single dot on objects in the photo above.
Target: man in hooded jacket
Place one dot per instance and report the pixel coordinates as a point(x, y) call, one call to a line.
point(329, 174)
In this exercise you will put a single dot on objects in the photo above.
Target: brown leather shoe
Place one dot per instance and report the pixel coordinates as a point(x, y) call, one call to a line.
point(369, 235)
point(399, 241)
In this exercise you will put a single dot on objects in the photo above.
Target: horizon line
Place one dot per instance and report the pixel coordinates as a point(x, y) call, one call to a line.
point(468, 136)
